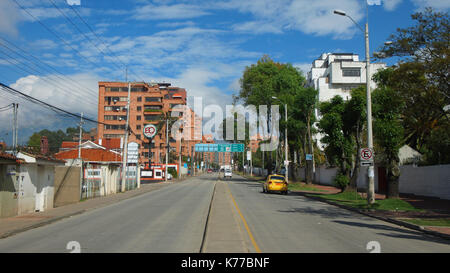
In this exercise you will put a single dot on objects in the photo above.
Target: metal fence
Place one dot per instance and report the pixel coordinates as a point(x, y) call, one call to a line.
point(130, 179)
point(92, 181)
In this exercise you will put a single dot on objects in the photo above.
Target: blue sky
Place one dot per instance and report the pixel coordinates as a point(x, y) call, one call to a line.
point(202, 46)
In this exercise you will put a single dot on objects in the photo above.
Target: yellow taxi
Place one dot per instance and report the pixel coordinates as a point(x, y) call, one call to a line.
point(275, 183)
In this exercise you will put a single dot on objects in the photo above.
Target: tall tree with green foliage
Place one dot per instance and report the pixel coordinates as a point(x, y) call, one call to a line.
point(301, 127)
point(388, 132)
point(421, 79)
point(339, 144)
point(354, 117)
point(267, 79)
point(342, 125)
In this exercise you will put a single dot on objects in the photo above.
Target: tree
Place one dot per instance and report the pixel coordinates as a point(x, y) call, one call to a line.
point(339, 143)
point(421, 80)
point(343, 124)
point(388, 132)
point(264, 80)
point(354, 117)
point(301, 129)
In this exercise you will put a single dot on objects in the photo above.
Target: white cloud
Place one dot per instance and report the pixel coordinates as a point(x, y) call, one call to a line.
point(50, 89)
point(44, 44)
point(310, 17)
point(436, 4)
point(166, 12)
point(258, 27)
point(10, 16)
point(176, 24)
point(391, 5)
point(304, 67)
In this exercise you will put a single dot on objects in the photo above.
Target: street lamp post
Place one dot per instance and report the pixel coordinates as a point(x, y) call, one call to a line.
point(370, 171)
point(125, 144)
point(286, 160)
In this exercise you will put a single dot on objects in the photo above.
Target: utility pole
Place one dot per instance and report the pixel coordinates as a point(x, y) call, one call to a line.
point(79, 155)
point(179, 159)
point(167, 149)
point(370, 169)
point(125, 144)
point(286, 164)
point(15, 127)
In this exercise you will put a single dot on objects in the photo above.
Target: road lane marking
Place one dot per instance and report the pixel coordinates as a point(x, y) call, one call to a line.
point(255, 245)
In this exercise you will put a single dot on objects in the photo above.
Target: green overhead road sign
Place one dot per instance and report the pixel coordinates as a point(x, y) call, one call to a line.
point(235, 147)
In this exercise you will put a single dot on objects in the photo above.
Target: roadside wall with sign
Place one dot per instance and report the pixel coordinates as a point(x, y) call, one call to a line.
point(432, 181)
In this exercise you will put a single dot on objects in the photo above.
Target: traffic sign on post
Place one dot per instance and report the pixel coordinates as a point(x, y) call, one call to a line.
point(366, 156)
point(149, 131)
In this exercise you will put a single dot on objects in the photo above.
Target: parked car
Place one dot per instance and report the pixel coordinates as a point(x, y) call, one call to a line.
point(210, 170)
point(275, 183)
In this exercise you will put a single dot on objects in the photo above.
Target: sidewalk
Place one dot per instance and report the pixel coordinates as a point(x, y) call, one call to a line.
point(431, 209)
point(13, 225)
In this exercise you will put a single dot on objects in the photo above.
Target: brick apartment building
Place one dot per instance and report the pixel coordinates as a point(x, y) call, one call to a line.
point(149, 102)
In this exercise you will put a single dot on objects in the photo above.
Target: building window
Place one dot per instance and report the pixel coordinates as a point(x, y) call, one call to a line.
point(114, 127)
point(138, 137)
point(152, 99)
point(139, 108)
point(351, 72)
point(110, 117)
point(139, 99)
point(138, 117)
point(138, 127)
point(152, 117)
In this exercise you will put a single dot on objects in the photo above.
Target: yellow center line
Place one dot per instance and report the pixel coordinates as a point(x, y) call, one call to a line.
point(245, 222)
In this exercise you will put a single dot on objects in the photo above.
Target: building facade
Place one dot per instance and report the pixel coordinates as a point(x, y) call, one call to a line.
point(150, 103)
point(337, 74)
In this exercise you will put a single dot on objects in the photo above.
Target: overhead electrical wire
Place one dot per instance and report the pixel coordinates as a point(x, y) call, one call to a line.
point(45, 104)
point(44, 64)
point(55, 34)
point(78, 29)
point(76, 95)
point(61, 85)
point(101, 40)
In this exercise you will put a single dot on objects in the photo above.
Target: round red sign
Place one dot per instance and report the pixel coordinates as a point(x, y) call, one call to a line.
point(149, 131)
point(366, 154)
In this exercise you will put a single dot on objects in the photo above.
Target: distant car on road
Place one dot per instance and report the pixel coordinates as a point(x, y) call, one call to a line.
point(210, 170)
point(228, 173)
point(275, 183)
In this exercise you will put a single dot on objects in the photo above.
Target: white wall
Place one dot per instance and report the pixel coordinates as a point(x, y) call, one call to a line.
point(427, 181)
point(433, 181)
point(36, 188)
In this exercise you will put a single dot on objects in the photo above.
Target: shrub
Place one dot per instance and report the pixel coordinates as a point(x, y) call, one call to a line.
point(173, 172)
point(341, 181)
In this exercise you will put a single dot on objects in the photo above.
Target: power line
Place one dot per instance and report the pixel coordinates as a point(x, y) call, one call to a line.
point(44, 104)
point(101, 41)
point(51, 67)
point(54, 33)
point(64, 85)
point(78, 29)
point(80, 99)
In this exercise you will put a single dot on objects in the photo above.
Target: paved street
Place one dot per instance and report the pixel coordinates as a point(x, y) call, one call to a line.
point(241, 219)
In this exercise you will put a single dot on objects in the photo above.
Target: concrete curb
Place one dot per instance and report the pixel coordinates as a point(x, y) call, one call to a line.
point(386, 219)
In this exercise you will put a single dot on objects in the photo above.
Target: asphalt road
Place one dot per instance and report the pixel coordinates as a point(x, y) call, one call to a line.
point(173, 219)
point(293, 223)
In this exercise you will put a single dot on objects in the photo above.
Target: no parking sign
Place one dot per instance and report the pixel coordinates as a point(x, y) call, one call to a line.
point(366, 156)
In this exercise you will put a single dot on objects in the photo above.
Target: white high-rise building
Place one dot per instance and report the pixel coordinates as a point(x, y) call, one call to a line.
point(337, 74)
